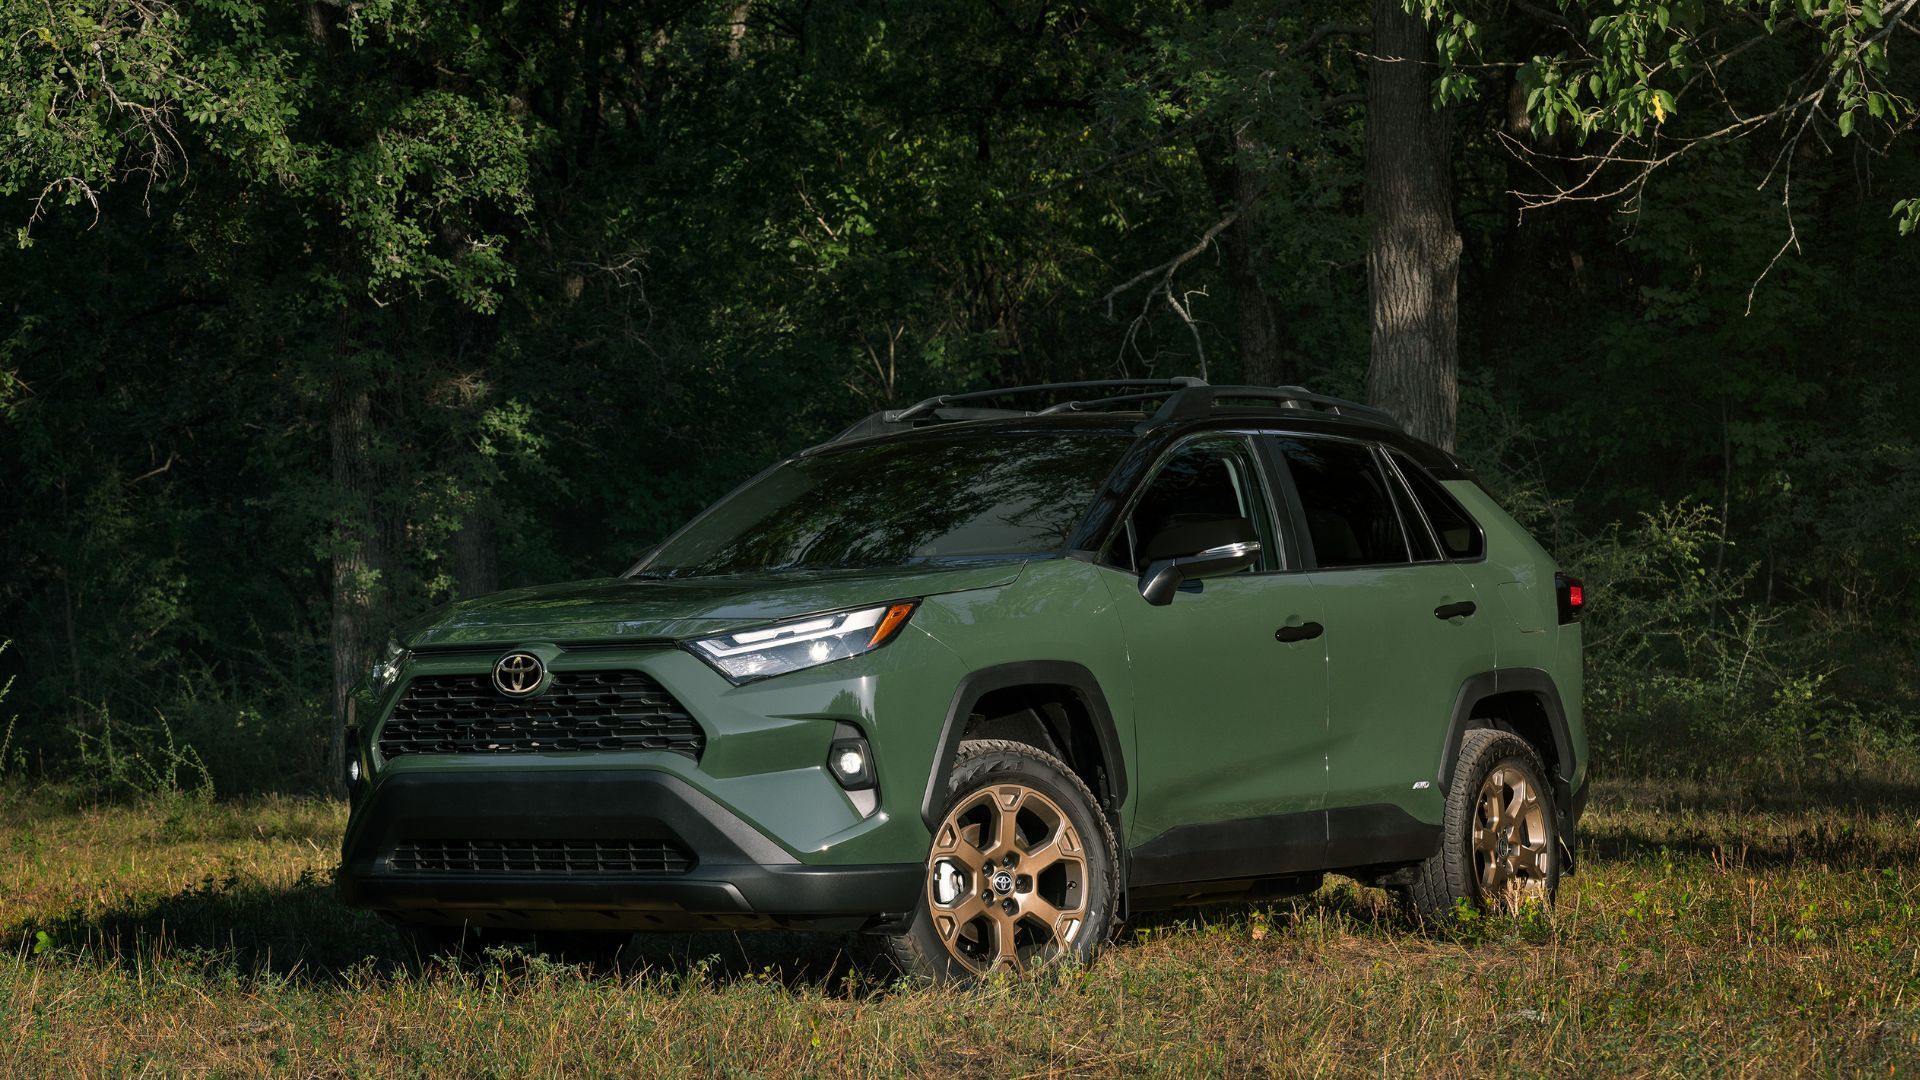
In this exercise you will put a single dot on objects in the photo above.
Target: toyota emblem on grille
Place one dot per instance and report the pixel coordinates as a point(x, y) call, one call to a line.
point(518, 674)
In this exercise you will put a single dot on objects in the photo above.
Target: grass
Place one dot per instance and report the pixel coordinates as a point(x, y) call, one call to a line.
point(1710, 931)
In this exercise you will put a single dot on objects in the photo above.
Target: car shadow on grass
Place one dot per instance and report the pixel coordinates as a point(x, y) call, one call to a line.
point(302, 932)
point(235, 927)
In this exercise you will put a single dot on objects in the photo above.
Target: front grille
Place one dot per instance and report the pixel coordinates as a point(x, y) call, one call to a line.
point(557, 857)
point(581, 710)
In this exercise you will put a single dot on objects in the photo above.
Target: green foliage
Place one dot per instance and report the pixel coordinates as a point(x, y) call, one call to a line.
point(118, 759)
point(13, 757)
point(1630, 61)
point(1622, 89)
point(1908, 213)
point(1685, 676)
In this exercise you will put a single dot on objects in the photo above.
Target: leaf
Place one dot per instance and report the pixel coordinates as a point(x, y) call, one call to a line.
point(1908, 211)
point(1846, 122)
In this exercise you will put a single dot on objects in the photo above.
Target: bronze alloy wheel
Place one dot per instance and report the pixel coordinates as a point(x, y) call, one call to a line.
point(1007, 880)
point(1499, 834)
point(1511, 844)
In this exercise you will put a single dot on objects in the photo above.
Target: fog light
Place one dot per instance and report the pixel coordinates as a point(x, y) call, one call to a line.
point(851, 763)
point(353, 772)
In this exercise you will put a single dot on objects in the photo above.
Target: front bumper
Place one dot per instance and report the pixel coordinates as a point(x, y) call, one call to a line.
point(738, 877)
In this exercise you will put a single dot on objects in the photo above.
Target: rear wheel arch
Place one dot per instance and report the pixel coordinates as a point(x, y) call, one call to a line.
point(1525, 701)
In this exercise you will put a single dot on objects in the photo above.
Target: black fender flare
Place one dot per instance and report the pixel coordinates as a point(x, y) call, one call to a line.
point(1506, 681)
point(1540, 684)
point(1073, 676)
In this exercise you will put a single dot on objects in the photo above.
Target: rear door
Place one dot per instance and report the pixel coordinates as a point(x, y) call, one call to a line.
point(1230, 684)
point(1404, 629)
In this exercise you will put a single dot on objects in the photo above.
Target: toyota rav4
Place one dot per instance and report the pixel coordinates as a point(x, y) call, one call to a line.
point(982, 679)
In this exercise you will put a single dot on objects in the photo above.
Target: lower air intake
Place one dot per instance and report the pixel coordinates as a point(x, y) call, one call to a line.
point(560, 858)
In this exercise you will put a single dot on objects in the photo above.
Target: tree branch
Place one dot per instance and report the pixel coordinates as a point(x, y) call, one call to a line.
point(1166, 269)
point(1182, 306)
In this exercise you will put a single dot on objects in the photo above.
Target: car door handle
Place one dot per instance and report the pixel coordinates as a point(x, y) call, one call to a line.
point(1303, 632)
point(1455, 611)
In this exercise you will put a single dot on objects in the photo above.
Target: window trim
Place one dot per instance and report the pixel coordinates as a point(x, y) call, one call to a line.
point(1406, 502)
point(1479, 530)
point(1284, 555)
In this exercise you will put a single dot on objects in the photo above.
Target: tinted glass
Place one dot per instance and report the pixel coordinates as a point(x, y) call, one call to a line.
point(1202, 481)
point(914, 502)
point(1459, 534)
point(1419, 537)
point(1348, 506)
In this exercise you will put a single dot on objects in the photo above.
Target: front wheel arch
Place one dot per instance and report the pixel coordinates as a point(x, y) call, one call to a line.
point(1107, 776)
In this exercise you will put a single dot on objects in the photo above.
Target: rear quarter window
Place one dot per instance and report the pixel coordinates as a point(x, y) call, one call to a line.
point(1459, 534)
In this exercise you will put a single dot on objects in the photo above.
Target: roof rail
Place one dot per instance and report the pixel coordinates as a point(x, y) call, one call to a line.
point(1183, 398)
point(1198, 401)
point(932, 404)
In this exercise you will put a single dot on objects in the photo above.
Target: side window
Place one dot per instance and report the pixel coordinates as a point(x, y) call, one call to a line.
point(1210, 478)
point(1348, 505)
point(1419, 537)
point(1459, 534)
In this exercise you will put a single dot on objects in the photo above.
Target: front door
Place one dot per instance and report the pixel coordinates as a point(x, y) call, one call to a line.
point(1230, 686)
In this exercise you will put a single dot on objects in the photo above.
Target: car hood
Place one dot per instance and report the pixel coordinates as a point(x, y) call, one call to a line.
point(641, 608)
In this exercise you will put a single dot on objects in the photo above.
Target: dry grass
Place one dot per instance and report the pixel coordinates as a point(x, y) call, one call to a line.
point(1708, 933)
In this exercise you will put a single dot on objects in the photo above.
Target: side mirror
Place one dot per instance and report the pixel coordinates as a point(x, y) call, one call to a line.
point(1196, 550)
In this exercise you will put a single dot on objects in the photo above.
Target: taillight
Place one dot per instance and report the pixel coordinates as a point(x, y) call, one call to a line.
point(1572, 597)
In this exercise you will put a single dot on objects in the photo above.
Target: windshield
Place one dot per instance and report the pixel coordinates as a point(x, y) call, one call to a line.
point(899, 504)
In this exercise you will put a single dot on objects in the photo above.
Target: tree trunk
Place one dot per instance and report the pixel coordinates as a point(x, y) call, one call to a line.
point(1413, 251)
point(356, 563)
point(476, 553)
point(1263, 359)
point(737, 29)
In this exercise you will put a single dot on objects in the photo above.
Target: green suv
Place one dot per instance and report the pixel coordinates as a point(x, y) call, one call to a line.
point(984, 679)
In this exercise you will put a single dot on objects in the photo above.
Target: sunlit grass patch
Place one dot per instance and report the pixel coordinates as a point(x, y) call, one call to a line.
point(1709, 932)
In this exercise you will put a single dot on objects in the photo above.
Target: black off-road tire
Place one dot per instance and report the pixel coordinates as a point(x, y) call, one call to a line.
point(1453, 873)
point(986, 765)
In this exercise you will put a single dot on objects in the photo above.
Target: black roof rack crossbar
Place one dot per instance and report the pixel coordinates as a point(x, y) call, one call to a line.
point(1089, 404)
point(926, 407)
point(1198, 401)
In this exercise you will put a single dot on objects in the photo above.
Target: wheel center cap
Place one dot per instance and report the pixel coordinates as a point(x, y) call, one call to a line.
point(1502, 847)
point(1003, 882)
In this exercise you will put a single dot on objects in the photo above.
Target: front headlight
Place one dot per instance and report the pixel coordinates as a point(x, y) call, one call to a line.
point(804, 642)
point(387, 668)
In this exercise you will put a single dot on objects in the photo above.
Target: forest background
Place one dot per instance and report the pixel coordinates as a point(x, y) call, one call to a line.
point(315, 316)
